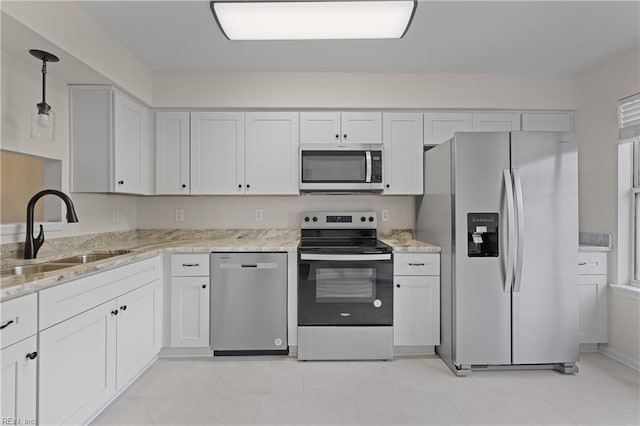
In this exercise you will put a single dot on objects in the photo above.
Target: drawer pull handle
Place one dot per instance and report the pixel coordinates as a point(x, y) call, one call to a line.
point(123, 307)
point(582, 263)
point(416, 264)
point(32, 355)
point(114, 312)
point(190, 265)
point(204, 286)
point(7, 324)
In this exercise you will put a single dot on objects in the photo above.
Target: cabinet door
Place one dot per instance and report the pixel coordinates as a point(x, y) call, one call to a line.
point(546, 121)
point(172, 153)
point(217, 153)
point(18, 377)
point(139, 331)
point(592, 290)
point(361, 127)
point(416, 310)
point(402, 153)
point(271, 153)
point(496, 121)
point(440, 126)
point(77, 366)
point(320, 127)
point(130, 145)
point(190, 312)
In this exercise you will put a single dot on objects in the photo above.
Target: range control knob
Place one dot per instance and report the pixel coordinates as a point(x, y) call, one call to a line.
point(306, 219)
point(370, 218)
point(315, 219)
point(362, 219)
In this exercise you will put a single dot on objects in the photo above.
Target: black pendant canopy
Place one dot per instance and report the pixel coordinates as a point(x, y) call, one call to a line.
point(44, 56)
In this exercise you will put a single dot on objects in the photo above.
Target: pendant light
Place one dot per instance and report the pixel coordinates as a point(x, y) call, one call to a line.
point(42, 118)
point(313, 19)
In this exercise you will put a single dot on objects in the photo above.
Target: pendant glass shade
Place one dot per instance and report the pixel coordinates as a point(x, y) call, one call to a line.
point(314, 20)
point(43, 125)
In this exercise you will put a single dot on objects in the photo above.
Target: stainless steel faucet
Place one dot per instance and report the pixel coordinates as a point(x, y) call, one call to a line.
point(31, 244)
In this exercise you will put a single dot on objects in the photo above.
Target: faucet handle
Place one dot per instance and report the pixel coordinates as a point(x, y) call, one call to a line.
point(40, 238)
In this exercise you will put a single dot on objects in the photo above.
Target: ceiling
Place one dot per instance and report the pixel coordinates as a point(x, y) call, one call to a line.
point(515, 37)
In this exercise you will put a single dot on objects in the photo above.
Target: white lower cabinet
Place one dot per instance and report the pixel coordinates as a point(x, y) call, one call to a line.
point(190, 300)
point(87, 357)
point(77, 366)
point(592, 293)
point(416, 299)
point(18, 377)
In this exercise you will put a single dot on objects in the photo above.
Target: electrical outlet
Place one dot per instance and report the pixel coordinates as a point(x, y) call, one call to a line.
point(259, 215)
point(179, 215)
point(385, 215)
point(116, 216)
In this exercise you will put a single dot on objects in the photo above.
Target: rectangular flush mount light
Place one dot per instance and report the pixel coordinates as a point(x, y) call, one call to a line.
point(313, 20)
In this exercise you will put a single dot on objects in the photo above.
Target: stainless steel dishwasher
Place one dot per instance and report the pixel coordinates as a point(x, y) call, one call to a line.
point(249, 303)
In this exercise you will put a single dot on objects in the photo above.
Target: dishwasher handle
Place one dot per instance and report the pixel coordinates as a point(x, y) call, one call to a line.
point(265, 265)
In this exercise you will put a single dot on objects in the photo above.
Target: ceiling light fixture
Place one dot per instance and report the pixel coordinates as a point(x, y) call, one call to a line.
point(313, 19)
point(42, 121)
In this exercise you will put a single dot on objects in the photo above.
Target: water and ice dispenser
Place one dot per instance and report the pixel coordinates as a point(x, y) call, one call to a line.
point(482, 234)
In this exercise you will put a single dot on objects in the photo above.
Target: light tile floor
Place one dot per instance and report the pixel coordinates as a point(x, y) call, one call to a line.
point(418, 391)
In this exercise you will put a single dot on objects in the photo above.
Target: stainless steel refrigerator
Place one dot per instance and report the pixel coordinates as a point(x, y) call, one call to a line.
point(504, 208)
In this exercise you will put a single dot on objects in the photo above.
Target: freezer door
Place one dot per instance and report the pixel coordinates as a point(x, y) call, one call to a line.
point(481, 308)
point(545, 297)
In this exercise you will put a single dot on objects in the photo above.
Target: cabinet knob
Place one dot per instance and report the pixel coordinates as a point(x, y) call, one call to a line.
point(344, 136)
point(204, 286)
point(248, 186)
point(114, 312)
point(398, 285)
point(337, 136)
point(240, 186)
point(184, 186)
point(32, 355)
point(388, 186)
point(123, 307)
point(120, 182)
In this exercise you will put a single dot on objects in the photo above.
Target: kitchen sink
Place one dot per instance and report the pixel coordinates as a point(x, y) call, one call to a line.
point(34, 269)
point(54, 265)
point(92, 257)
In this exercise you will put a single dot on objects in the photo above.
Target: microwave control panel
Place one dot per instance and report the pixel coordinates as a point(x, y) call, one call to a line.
point(376, 166)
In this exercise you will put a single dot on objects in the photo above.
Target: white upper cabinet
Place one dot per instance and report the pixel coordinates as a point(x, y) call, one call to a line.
point(440, 126)
point(172, 153)
point(403, 148)
point(361, 127)
point(217, 153)
point(496, 121)
point(271, 151)
point(547, 121)
point(343, 128)
point(109, 141)
point(320, 127)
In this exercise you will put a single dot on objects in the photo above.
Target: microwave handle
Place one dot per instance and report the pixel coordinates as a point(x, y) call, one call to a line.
point(368, 159)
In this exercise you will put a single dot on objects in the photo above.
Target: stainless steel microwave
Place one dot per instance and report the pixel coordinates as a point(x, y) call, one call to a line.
point(341, 168)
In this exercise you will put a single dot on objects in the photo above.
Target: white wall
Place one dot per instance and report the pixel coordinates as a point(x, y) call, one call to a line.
point(597, 134)
point(279, 212)
point(65, 25)
point(21, 90)
point(354, 90)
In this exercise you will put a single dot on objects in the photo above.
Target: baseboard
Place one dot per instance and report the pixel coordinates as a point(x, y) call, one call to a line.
point(414, 350)
point(620, 357)
point(167, 352)
point(588, 347)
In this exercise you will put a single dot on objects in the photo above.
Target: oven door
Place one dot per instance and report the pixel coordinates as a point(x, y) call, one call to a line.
point(345, 289)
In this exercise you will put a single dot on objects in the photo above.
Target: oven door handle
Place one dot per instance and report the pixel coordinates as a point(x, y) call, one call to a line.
point(339, 257)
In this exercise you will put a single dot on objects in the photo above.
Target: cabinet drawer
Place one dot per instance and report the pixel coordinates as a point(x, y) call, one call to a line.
point(190, 265)
point(592, 263)
point(64, 301)
point(19, 318)
point(416, 264)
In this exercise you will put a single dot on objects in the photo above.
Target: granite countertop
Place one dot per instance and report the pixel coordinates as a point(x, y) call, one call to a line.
point(148, 243)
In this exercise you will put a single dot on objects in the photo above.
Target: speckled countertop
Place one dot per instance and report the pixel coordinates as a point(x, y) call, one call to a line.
point(144, 244)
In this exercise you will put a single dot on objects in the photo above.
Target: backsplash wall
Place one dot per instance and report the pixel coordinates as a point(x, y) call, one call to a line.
point(278, 212)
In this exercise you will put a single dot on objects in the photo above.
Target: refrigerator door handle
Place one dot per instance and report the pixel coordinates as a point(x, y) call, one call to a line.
point(511, 231)
point(520, 235)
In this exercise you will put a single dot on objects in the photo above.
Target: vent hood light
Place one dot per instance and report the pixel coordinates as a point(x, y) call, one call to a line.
point(313, 20)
